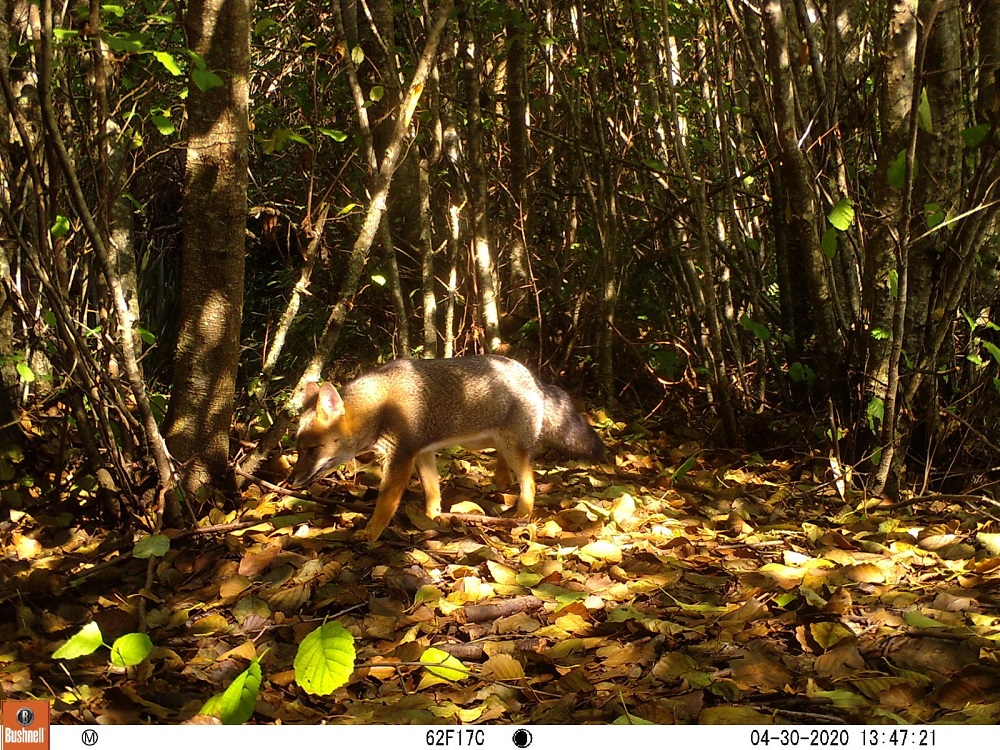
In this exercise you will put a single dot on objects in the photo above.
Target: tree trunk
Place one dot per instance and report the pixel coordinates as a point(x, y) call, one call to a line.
point(799, 211)
point(486, 272)
point(215, 206)
point(881, 267)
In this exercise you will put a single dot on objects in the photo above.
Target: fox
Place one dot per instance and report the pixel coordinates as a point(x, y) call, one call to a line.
point(408, 409)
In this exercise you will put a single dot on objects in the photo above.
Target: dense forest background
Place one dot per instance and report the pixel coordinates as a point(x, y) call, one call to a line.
point(779, 216)
point(758, 239)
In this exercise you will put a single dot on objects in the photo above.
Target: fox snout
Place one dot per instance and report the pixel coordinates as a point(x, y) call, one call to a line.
point(309, 467)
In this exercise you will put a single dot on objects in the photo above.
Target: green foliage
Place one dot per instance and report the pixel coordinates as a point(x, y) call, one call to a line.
point(206, 80)
point(759, 331)
point(924, 120)
point(127, 650)
point(801, 373)
point(25, 372)
point(689, 463)
point(85, 642)
point(841, 215)
point(829, 242)
point(896, 173)
point(875, 412)
point(934, 215)
point(325, 659)
point(169, 62)
point(236, 704)
point(60, 228)
point(974, 135)
point(130, 649)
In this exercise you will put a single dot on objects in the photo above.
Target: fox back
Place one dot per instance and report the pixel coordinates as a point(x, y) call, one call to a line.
point(408, 409)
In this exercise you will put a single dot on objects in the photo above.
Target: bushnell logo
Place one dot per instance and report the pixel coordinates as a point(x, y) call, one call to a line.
point(25, 725)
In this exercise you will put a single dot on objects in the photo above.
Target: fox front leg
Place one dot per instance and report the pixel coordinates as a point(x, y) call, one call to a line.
point(395, 477)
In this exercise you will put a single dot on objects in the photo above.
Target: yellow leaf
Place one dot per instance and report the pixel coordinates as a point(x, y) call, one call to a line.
point(442, 664)
point(501, 573)
point(210, 624)
point(601, 550)
point(622, 509)
point(25, 547)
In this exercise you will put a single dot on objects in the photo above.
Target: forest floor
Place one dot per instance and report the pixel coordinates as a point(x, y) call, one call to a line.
point(738, 590)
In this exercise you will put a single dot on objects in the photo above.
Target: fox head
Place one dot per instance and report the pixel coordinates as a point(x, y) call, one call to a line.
point(325, 439)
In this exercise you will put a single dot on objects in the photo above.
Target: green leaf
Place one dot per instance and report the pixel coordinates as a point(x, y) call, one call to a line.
point(338, 135)
point(379, 279)
point(347, 209)
point(842, 214)
point(758, 330)
point(114, 10)
point(148, 337)
point(264, 25)
point(801, 373)
point(167, 61)
point(87, 641)
point(60, 228)
point(897, 172)
point(236, 705)
point(198, 60)
point(876, 413)
point(829, 243)
point(151, 546)
point(975, 135)
point(213, 706)
point(442, 664)
point(205, 80)
point(894, 283)
point(128, 43)
point(934, 215)
point(917, 620)
point(164, 124)
point(130, 649)
point(561, 596)
point(684, 468)
point(924, 119)
point(377, 93)
point(25, 372)
point(62, 35)
point(880, 334)
point(325, 659)
point(994, 350)
point(357, 55)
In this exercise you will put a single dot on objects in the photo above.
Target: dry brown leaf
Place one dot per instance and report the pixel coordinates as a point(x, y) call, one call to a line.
point(503, 667)
point(234, 586)
point(840, 662)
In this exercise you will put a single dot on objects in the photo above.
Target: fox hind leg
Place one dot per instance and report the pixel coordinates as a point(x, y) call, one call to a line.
point(514, 458)
point(428, 471)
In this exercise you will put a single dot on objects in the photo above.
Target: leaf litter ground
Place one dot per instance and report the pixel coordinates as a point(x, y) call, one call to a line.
point(744, 591)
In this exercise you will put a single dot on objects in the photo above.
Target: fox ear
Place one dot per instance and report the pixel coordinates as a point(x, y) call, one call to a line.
point(330, 403)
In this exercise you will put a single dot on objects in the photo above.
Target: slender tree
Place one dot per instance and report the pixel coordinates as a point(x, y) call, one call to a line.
point(215, 202)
